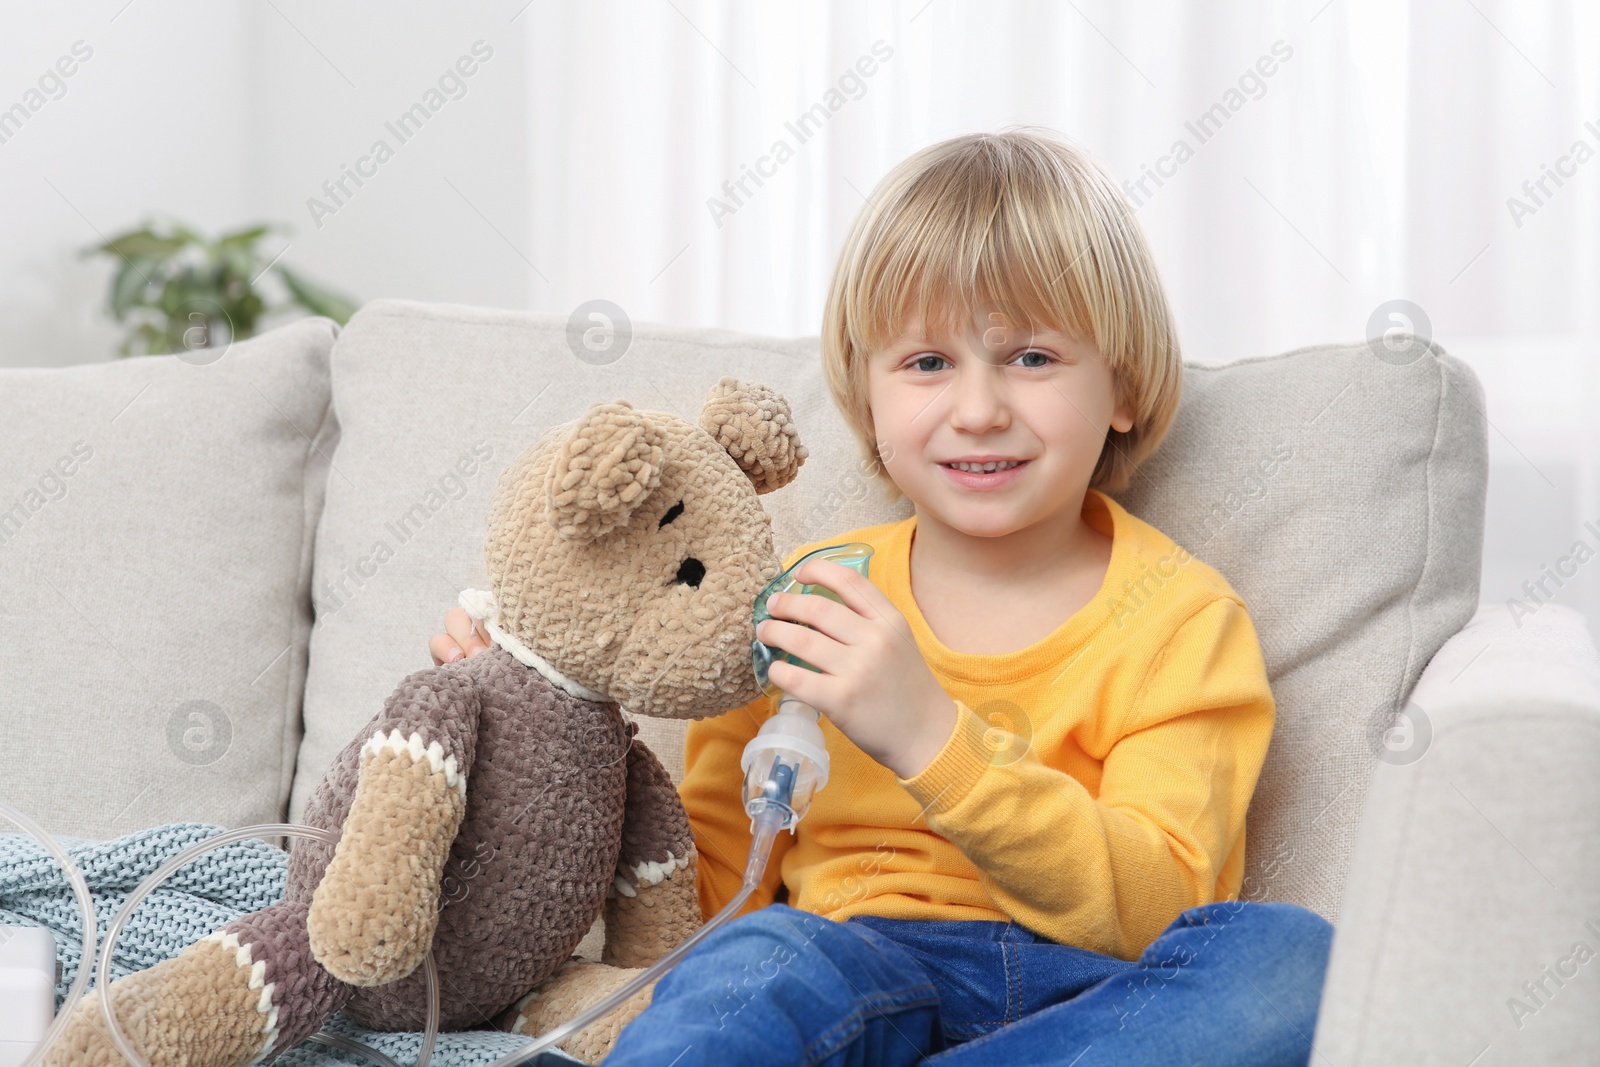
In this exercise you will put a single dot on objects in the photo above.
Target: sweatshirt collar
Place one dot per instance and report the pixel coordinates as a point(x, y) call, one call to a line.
point(1050, 652)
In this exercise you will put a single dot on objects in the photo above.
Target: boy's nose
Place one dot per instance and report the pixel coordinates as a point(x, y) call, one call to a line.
point(978, 398)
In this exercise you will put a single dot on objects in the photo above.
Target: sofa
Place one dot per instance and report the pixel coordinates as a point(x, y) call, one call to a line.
point(215, 566)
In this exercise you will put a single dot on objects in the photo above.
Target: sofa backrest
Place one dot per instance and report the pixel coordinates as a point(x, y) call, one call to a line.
point(1342, 495)
point(156, 519)
point(1340, 492)
point(157, 620)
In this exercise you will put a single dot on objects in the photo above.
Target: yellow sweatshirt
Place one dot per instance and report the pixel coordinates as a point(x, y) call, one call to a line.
point(1094, 787)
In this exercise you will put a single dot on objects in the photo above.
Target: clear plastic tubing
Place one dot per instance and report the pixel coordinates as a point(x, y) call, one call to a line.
point(767, 825)
point(80, 890)
point(322, 1037)
point(103, 978)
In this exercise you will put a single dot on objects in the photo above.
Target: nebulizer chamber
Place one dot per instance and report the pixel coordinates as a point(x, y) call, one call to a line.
point(784, 765)
point(787, 761)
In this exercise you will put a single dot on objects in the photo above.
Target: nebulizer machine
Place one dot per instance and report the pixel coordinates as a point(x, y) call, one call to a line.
point(784, 765)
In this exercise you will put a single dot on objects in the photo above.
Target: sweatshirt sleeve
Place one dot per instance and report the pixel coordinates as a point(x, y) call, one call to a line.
point(713, 796)
point(1110, 872)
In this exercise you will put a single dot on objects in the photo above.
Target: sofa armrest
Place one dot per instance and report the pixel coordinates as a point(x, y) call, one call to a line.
point(1469, 930)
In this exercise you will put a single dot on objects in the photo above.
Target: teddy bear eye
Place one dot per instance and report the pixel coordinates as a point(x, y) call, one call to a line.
point(690, 571)
point(672, 513)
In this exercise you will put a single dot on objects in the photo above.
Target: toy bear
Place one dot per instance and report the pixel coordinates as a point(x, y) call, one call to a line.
point(498, 805)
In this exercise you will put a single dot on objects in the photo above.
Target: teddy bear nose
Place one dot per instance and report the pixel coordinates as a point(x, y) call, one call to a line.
point(691, 571)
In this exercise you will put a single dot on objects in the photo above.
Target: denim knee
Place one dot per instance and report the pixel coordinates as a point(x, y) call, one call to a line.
point(745, 956)
point(1269, 918)
point(783, 939)
point(775, 924)
point(1292, 940)
point(827, 980)
point(1291, 923)
point(1283, 948)
point(1300, 936)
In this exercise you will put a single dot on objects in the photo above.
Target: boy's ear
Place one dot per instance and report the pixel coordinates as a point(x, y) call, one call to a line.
point(1122, 416)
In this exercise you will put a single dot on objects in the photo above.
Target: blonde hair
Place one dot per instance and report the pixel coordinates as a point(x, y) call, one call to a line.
point(1027, 225)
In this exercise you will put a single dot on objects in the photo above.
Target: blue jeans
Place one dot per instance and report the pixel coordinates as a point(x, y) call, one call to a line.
point(1230, 983)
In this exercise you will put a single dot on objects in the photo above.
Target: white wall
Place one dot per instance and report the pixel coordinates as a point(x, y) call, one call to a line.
point(222, 115)
point(445, 217)
point(130, 134)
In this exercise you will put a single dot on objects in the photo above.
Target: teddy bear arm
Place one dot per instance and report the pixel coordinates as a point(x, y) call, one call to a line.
point(653, 903)
point(373, 914)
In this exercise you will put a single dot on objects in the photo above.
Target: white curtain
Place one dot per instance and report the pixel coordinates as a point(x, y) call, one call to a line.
point(1444, 152)
point(1336, 155)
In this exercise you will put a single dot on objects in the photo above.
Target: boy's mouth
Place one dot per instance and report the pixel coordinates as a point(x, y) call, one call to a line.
point(985, 475)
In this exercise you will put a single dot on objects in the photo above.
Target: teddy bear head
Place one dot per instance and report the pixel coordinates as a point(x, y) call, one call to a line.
point(626, 549)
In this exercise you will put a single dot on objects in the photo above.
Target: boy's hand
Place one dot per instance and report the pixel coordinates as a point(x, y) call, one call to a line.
point(463, 637)
point(874, 686)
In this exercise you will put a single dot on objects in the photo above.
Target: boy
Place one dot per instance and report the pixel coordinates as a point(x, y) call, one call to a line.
point(1045, 719)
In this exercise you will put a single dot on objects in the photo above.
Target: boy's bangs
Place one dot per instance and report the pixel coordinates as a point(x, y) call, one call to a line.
point(986, 270)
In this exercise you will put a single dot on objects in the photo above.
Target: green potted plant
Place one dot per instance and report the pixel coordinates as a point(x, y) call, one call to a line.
point(180, 291)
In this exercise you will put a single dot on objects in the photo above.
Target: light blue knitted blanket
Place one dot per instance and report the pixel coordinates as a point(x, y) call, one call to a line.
point(201, 896)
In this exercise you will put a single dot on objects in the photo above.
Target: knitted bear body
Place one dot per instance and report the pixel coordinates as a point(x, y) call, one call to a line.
point(497, 806)
point(537, 849)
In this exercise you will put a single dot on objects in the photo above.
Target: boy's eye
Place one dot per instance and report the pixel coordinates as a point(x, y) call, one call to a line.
point(1042, 355)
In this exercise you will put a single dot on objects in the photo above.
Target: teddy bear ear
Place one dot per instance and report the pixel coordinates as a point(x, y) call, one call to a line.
point(753, 423)
point(605, 467)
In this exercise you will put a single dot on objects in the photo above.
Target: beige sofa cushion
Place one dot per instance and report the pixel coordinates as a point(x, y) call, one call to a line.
point(156, 519)
point(1342, 496)
point(1357, 552)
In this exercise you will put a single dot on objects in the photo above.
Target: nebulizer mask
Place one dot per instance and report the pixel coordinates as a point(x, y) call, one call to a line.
point(784, 765)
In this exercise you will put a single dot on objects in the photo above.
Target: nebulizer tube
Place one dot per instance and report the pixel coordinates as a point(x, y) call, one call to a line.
point(80, 891)
point(784, 765)
point(331, 837)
